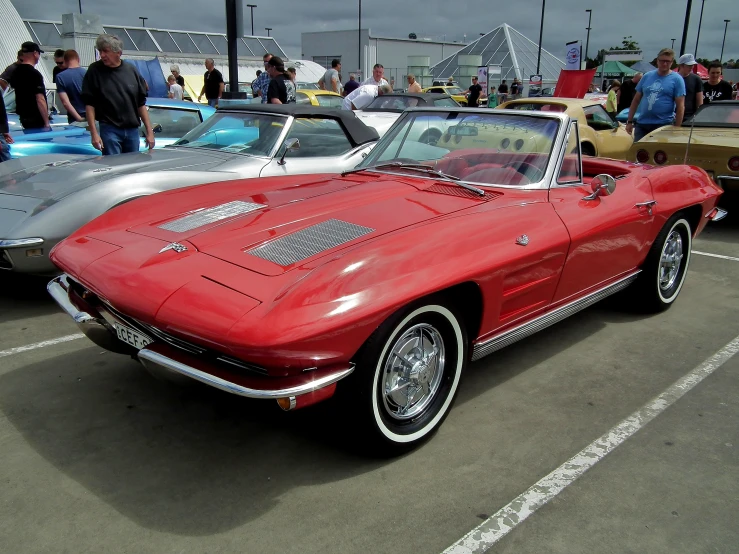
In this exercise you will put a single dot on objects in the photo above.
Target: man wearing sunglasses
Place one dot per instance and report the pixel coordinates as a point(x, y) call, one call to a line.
point(662, 97)
point(58, 64)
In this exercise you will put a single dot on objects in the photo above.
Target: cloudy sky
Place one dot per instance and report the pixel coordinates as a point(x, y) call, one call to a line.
point(651, 24)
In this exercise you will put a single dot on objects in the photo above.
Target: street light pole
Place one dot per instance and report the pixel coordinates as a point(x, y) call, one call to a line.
point(251, 7)
point(359, 42)
point(700, 20)
point(685, 27)
point(80, 3)
point(268, 29)
point(673, 43)
point(541, 34)
point(587, 40)
point(726, 26)
point(143, 21)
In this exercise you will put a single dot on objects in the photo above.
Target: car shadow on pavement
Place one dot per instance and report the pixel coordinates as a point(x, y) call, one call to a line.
point(24, 296)
point(192, 460)
point(188, 460)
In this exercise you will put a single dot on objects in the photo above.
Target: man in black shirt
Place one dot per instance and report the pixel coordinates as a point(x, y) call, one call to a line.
point(58, 64)
point(628, 89)
point(213, 83)
point(8, 71)
point(716, 89)
point(114, 93)
point(281, 88)
point(30, 92)
point(474, 94)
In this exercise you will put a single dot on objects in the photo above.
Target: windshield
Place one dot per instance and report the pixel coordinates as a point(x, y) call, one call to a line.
point(717, 114)
point(242, 133)
point(394, 103)
point(500, 148)
point(454, 90)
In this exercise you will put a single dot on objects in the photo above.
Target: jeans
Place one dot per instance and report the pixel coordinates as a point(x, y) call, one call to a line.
point(4, 150)
point(212, 102)
point(641, 130)
point(119, 141)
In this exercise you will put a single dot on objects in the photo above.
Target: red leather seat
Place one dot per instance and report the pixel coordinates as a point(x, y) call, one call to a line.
point(499, 176)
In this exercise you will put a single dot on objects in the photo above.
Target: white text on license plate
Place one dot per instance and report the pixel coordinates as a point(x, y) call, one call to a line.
point(129, 336)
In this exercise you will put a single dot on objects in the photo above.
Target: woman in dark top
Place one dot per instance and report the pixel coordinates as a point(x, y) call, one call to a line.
point(281, 88)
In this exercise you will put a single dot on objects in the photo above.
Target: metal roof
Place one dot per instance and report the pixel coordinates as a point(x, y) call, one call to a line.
point(506, 47)
point(165, 41)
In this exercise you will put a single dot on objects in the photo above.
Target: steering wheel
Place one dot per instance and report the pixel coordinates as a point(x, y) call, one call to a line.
point(531, 172)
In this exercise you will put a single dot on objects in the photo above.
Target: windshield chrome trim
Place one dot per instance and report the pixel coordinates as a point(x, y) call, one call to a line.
point(554, 159)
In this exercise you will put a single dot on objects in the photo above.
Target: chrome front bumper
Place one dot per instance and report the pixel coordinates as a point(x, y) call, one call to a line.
point(160, 356)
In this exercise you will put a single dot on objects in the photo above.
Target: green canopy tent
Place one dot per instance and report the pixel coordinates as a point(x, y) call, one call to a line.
point(614, 70)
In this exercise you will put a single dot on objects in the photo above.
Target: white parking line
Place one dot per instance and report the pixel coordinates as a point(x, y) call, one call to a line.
point(714, 255)
point(490, 531)
point(41, 344)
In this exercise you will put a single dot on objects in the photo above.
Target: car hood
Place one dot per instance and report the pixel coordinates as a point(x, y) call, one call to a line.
point(56, 176)
point(713, 136)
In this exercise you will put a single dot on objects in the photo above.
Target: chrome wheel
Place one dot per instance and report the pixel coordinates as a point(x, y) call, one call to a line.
point(413, 372)
point(670, 261)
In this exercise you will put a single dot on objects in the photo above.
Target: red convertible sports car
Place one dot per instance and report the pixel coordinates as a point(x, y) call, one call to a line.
point(379, 285)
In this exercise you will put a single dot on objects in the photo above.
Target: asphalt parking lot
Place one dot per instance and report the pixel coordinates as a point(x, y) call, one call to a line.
point(97, 456)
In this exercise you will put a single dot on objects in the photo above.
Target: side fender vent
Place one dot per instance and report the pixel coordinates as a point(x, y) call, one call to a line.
point(308, 242)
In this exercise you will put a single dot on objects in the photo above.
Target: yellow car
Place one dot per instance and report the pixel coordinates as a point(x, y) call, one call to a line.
point(600, 135)
point(323, 98)
point(455, 92)
point(714, 144)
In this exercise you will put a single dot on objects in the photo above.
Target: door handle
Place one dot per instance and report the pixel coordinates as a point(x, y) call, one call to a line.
point(648, 205)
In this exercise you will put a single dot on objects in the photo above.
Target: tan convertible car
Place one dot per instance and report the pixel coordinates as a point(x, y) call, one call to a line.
point(714, 144)
point(600, 135)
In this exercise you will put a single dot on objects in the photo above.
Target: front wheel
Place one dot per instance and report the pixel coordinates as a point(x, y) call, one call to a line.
point(665, 268)
point(406, 378)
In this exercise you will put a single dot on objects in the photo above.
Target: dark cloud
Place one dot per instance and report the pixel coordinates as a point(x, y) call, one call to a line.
point(651, 24)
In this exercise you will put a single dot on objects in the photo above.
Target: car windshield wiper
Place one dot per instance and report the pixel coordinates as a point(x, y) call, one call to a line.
point(419, 167)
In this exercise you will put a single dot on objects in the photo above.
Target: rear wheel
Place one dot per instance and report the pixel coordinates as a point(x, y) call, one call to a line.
point(407, 376)
point(665, 268)
point(431, 137)
point(588, 149)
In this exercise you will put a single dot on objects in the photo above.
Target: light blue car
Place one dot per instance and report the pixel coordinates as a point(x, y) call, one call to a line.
point(171, 119)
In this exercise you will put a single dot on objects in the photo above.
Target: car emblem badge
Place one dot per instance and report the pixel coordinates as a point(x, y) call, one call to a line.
point(176, 246)
point(101, 169)
point(523, 240)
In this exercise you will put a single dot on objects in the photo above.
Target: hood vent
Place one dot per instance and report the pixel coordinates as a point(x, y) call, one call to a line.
point(308, 242)
point(455, 190)
point(210, 215)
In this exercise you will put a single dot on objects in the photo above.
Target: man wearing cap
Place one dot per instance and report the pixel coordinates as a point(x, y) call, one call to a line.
point(693, 85)
point(30, 92)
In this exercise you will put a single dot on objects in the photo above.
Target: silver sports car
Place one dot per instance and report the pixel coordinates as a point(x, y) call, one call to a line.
point(45, 198)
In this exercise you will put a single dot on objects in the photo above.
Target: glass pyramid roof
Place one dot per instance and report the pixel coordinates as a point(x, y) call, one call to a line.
point(506, 47)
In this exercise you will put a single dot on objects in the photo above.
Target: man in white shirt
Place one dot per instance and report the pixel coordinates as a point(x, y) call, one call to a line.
point(377, 78)
point(363, 96)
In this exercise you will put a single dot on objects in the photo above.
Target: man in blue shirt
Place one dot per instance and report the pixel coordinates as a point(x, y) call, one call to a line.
point(69, 86)
point(661, 94)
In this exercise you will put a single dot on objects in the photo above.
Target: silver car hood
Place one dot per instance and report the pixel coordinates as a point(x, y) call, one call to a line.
point(56, 176)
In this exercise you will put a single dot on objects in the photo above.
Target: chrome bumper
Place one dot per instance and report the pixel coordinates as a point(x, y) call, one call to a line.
point(159, 356)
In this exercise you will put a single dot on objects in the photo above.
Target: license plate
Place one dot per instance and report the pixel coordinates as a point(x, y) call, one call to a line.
point(132, 337)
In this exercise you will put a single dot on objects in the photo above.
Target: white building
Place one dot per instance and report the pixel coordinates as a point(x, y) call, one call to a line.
point(392, 53)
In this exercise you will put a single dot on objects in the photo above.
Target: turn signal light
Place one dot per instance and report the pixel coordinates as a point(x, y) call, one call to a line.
point(34, 252)
point(660, 157)
point(295, 402)
point(734, 163)
point(642, 156)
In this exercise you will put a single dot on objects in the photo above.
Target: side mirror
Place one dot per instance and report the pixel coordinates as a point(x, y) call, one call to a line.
point(601, 185)
point(290, 146)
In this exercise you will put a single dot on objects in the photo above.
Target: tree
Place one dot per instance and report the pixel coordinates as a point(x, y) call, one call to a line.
point(628, 43)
